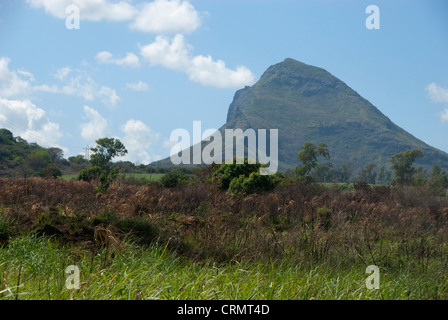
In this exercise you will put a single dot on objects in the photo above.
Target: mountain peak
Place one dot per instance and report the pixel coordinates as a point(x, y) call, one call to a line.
point(296, 74)
point(309, 104)
point(289, 80)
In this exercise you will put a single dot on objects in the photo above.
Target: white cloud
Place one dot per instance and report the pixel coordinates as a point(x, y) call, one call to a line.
point(168, 144)
point(27, 74)
point(84, 86)
point(28, 121)
point(104, 57)
point(176, 55)
point(172, 55)
point(130, 60)
point(444, 115)
point(80, 86)
point(138, 86)
point(138, 139)
point(11, 84)
point(93, 10)
point(108, 96)
point(62, 73)
point(14, 85)
point(215, 73)
point(95, 128)
point(437, 93)
point(159, 16)
point(163, 16)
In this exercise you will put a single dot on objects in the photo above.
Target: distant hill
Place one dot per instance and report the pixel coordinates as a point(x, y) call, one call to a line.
point(19, 158)
point(308, 104)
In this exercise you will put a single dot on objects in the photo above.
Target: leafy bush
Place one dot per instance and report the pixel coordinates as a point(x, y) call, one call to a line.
point(245, 178)
point(95, 173)
point(254, 183)
point(174, 178)
point(225, 173)
point(51, 171)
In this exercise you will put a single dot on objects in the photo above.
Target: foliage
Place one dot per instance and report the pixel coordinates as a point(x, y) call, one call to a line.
point(173, 179)
point(146, 242)
point(244, 178)
point(20, 158)
point(402, 164)
point(368, 174)
point(438, 181)
point(79, 159)
point(101, 169)
point(55, 154)
point(226, 172)
point(254, 183)
point(90, 174)
point(50, 171)
point(105, 150)
point(308, 156)
point(384, 176)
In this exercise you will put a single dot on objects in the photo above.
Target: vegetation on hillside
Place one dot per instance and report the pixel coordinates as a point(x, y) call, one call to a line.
point(18, 158)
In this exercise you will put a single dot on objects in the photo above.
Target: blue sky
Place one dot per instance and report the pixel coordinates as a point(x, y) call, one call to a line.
point(137, 70)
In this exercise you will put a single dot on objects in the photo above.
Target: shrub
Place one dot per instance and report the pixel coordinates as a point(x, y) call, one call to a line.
point(245, 178)
point(51, 171)
point(225, 173)
point(89, 174)
point(254, 183)
point(172, 179)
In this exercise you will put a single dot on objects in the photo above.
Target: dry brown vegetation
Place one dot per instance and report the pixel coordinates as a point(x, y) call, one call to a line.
point(393, 227)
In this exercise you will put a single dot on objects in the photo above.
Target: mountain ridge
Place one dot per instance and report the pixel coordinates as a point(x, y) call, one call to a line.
point(309, 104)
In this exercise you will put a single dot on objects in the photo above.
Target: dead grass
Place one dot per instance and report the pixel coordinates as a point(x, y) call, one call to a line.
point(306, 223)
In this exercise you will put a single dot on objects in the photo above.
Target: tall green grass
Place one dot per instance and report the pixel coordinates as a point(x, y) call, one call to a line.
point(136, 272)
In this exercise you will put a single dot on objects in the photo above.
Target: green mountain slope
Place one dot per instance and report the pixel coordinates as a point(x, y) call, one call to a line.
point(308, 104)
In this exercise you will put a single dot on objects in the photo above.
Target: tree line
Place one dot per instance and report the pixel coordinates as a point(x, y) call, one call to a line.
point(21, 158)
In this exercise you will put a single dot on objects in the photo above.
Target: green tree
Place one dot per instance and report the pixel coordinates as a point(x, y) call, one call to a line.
point(384, 176)
point(308, 156)
point(51, 171)
point(173, 178)
point(6, 137)
point(55, 154)
point(38, 160)
point(79, 159)
point(324, 172)
point(100, 161)
point(438, 181)
point(344, 172)
point(244, 178)
point(105, 150)
point(402, 164)
point(226, 172)
point(255, 182)
point(368, 174)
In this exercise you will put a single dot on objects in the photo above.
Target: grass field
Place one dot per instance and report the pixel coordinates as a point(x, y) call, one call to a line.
point(155, 273)
point(196, 242)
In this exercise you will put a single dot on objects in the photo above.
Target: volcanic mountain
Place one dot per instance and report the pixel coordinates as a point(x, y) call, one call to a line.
point(308, 104)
